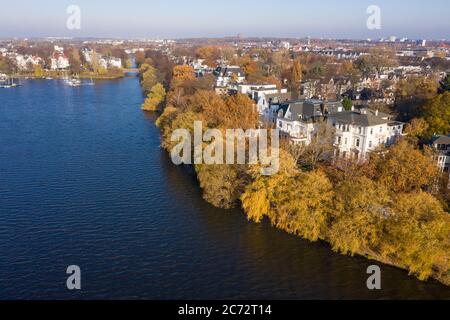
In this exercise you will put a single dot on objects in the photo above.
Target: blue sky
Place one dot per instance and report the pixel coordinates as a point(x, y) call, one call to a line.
point(201, 18)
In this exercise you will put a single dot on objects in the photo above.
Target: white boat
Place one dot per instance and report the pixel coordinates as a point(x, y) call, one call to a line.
point(10, 84)
point(73, 82)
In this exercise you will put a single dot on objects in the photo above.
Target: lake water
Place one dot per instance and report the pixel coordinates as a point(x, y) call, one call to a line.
point(83, 181)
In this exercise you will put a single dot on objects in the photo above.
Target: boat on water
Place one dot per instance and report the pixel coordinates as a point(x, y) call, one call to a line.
point(9, 83)
point(73, 82)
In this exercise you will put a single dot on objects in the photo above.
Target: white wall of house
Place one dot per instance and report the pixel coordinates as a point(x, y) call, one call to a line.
point(357, 141)
point(296, 131)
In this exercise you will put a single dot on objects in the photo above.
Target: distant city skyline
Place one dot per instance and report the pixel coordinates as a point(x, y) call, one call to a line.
point(344, 19)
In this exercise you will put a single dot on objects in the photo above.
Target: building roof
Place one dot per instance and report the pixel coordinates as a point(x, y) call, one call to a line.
point(307, 109)
point(361, 118)
point(228, 71)
point(441, 140)
point(278, 97)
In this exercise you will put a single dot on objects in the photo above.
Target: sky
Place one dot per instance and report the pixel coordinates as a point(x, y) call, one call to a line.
point(415, 19)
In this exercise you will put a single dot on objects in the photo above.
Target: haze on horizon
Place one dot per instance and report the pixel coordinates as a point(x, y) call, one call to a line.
point(415, 19)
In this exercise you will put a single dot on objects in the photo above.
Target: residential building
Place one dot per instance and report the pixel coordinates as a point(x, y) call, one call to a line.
point(298, 120)
point(113, 62)
point(360, 131)
point(442, 146)
point(228, 74)
point(59, 61)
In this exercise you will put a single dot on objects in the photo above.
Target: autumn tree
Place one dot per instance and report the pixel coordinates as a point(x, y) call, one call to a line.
point(360, 208)
point(417, 128)
point(210, 54)
point(258, 196)
point(295, 78)
point(73, 55)
point(6, 65)
point(154, 98)
point(302, 206)
point(436, 113)
point(240, 114)
point(38, 71)
point(139, 58)
point(420, 235)
point(222, 184)
point(234, 112)
point(182, 73)
point(149, 77)
point(404, 168)
point(412, 94)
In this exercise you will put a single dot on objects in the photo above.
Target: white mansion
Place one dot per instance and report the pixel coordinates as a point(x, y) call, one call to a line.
point(298, 120)
point(357, 132)
point(361, 131)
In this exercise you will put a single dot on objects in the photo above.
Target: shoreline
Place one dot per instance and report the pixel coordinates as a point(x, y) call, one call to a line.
point(62, 77)
point(365, 252)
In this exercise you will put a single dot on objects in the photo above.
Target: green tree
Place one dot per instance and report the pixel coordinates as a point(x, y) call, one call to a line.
point(347, 103)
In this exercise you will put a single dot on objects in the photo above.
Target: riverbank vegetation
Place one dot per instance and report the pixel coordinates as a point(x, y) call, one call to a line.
point(386, 209)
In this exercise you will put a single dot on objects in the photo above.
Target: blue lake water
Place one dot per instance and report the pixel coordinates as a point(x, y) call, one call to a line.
point(84, 182)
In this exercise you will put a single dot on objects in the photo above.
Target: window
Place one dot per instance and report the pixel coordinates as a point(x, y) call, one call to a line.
point(358, 142)
point(371, 131)
point(370, 144)
point(339, 140)
point(345, 141)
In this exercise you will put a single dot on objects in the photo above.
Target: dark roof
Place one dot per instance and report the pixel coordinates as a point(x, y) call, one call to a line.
point(282, 107)
point(441, 140)
point(360, 118)
point(307, 109)
point(228, 71)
